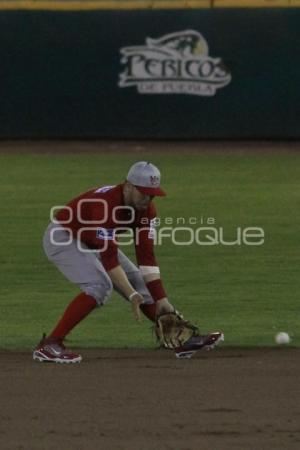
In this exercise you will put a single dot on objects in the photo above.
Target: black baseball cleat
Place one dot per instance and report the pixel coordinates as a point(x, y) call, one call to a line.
point(195, 343)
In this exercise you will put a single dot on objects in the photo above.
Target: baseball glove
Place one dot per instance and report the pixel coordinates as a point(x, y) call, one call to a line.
point(172, 330)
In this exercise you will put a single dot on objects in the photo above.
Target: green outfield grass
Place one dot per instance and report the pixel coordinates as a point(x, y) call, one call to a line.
point(249, 292)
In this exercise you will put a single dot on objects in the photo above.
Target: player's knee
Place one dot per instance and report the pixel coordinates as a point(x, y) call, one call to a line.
point(100, 291)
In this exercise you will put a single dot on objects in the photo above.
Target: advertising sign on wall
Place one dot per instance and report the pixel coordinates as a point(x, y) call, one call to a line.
point(150, 74)
point(176, 63)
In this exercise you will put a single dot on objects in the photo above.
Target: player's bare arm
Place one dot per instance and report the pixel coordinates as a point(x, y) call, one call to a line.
point(163, 305)
point(119, 279)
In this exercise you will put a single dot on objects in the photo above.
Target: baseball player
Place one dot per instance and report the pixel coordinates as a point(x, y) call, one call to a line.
point(82, 242)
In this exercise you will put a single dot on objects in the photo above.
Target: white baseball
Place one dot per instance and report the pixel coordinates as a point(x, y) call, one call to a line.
point(282, 338)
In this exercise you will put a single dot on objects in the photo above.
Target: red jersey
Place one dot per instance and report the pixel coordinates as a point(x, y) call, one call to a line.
point(99, 215)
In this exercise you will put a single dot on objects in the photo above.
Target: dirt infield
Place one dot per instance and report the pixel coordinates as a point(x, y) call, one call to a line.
point(148, 400)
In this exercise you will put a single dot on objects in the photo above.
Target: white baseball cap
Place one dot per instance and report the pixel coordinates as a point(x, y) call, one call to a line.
point(146, 178)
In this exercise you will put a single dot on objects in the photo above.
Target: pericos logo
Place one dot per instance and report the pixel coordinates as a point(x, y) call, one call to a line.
point(177, 63)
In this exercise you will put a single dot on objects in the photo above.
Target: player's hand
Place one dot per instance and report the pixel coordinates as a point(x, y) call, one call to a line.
point(136, 300)
point(163, 307)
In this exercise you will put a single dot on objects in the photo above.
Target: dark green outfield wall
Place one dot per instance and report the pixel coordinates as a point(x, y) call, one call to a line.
point(59, 74)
